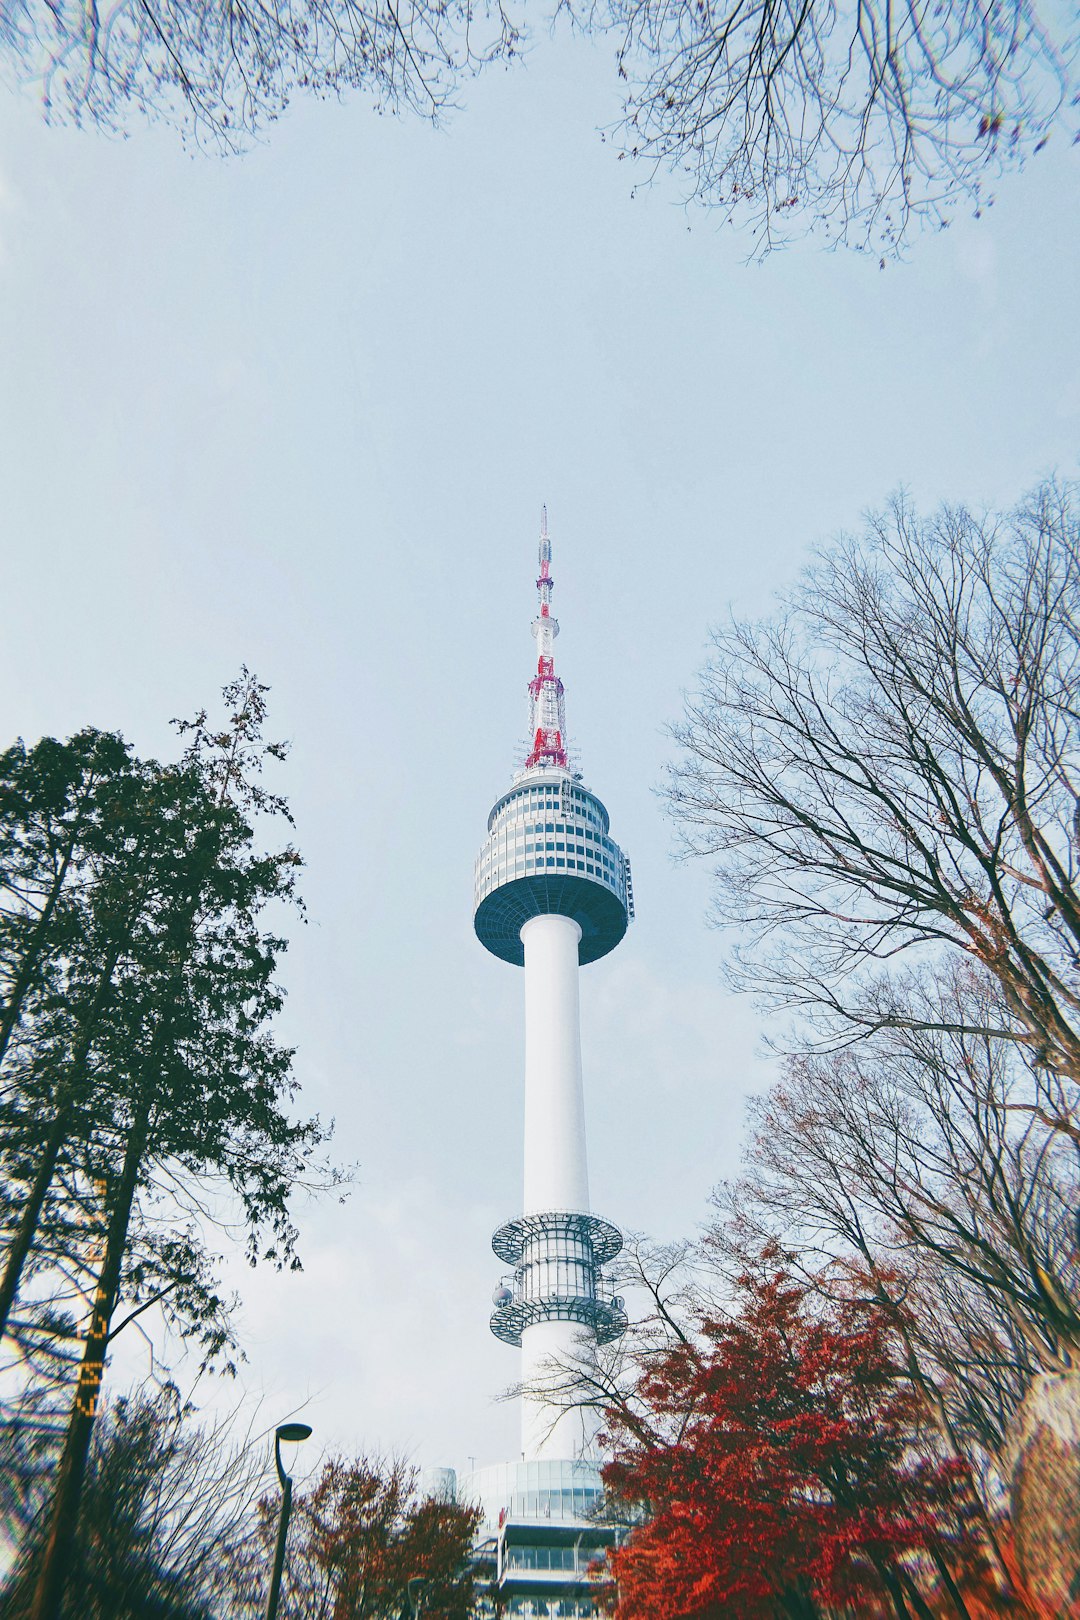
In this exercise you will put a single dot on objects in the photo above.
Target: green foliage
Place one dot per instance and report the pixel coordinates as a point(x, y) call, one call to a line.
point(144, 1090)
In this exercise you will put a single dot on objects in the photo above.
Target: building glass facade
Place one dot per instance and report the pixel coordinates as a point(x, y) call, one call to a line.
point(542, 1534)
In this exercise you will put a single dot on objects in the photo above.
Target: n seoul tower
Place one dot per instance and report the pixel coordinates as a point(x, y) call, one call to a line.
point(553, 893)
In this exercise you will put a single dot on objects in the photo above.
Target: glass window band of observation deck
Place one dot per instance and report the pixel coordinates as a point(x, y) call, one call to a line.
point(540, 1556)
point(543, 789)
point(540, 845)
point(557, 1257)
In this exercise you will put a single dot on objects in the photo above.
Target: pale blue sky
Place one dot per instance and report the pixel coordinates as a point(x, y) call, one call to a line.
point(300, 409)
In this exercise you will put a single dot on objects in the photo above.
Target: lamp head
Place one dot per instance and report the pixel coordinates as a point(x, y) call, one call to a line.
point(416, 1589)
point(293, 1431)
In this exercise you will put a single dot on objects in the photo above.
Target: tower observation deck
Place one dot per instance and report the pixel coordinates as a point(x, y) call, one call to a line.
point(553, 892)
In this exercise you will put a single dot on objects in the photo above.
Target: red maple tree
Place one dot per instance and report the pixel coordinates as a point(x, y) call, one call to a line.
point(362, 1535)
point(779, 1468)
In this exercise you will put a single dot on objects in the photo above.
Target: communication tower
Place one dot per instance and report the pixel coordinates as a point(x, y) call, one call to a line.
point(553, 893)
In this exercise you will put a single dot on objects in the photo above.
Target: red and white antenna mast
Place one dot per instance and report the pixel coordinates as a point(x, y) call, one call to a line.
point(547, 713)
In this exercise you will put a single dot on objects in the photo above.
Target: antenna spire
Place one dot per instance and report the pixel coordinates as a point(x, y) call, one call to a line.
point(547, 709)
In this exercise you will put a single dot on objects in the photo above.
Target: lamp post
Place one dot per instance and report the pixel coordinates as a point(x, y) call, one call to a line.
point(416, 1589)
point(292, 1432)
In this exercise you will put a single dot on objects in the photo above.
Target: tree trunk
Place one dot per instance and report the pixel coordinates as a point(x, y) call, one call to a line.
point(918, 1603)
point(939, 1415)
point(58, 1556)
point(896, 1593)
point(35, 951)
point(950, 1585)
point(69, 1093)
point(31, 1215)
point(1045, 1489)
point(799, 1605)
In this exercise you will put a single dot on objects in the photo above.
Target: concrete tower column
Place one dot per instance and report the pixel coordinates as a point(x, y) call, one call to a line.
point(548, 1430)
point(556, 1168)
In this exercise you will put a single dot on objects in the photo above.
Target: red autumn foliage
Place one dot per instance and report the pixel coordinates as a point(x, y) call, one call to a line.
point(361, 1533)
point(782, 1470)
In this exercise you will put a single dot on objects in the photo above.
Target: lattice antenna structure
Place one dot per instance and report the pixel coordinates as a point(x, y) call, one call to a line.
point(547, 706)
point(553, 893)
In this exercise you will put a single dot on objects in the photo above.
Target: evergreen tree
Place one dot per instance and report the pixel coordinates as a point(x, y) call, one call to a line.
point(69, 826)
point(145, 1078)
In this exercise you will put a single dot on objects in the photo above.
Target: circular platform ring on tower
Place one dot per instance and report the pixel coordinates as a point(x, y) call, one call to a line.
point(603, 1239)
point(606, 1319)
point(599, 913)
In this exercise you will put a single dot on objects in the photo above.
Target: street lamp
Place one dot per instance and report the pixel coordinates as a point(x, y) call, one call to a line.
point(291, 1432)
point(416, 1590)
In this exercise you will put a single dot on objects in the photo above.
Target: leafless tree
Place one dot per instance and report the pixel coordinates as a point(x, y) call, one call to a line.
point(917, 1162)
point(848, 118)
point(222, 69)
point(888, 772)
point(670, 1286)
point(169, 1500)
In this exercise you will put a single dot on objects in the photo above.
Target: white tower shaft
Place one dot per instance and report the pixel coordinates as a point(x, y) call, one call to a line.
point(556, 1168)
point(548, 1429)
